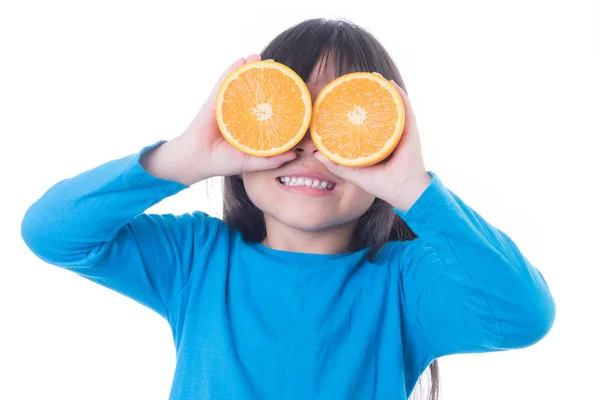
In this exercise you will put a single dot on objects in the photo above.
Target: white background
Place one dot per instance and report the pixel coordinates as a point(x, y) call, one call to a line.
point(506, 99)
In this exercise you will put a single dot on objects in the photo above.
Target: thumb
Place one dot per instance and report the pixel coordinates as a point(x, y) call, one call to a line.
point(264, 163)
point(351, 174)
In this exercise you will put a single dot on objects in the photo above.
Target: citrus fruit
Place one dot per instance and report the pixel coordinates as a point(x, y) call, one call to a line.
point(357, 119)
point(263, 108)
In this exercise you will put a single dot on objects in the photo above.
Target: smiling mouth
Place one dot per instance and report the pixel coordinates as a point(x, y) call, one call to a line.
point(306, 182)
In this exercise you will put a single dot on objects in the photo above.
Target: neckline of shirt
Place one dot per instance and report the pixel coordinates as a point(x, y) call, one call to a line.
point(309, 258)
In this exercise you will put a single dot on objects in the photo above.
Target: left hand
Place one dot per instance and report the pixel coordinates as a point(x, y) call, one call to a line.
point(402, 177)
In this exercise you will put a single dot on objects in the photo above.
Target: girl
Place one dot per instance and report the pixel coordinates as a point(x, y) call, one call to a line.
point(349, 293)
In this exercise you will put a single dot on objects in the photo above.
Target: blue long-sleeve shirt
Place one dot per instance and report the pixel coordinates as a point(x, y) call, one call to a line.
point(250, 322)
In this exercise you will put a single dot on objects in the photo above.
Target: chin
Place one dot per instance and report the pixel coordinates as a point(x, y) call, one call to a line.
point(300, 220)
point(306, 209)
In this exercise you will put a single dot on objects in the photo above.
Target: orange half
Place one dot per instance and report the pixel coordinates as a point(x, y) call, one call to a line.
point(358, 119)
point(263, 108)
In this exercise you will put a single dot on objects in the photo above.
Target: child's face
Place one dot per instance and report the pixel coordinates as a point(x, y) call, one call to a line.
point(301, 207)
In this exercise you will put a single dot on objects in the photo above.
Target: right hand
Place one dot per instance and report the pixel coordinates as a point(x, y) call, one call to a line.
point(211, 153)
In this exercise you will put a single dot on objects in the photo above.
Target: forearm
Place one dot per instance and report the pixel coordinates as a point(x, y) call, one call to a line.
point(477, 266)
point(78, 214)
point(174, 160)
point(410, 191)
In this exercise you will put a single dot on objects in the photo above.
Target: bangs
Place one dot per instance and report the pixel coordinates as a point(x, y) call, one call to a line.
point(332, 45)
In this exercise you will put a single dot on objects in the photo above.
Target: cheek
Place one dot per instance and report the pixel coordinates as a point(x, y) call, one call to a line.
point(355, 201)
point(259, 188)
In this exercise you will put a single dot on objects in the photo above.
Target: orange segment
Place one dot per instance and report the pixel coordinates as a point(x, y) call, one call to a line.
point(263, 108)
point(358, 119)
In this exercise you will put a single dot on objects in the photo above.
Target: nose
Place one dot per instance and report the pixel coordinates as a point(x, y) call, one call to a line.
point(306, 145)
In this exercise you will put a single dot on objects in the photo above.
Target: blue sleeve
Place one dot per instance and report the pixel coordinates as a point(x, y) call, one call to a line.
point(464, 284)
point(94, 225)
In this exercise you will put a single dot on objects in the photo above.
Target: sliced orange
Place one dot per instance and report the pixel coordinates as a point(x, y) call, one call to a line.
point(357, 119)
point(263, 108)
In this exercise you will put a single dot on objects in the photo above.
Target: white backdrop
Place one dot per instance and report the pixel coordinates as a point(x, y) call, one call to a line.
point(506, 99)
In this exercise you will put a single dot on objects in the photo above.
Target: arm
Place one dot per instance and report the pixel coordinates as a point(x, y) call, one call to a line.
point(464, 284)
point(93, 224)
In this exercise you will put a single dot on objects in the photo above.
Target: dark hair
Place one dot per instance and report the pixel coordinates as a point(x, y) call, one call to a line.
point(347, 48)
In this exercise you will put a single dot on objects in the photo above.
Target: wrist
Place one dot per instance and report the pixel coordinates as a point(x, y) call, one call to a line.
point(194, 159)
point(408, 192)
point(174, 160)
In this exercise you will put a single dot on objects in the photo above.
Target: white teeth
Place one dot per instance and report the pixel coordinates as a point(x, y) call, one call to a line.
point(308, 182)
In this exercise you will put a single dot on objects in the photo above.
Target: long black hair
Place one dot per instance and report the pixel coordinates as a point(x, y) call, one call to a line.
point(344, 47)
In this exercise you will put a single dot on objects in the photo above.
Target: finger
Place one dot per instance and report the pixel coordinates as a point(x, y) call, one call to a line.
point(407, 106)
point(252, 58)
point(403, 95)
point(238, 63)
point(352, 174)
point(266, 163)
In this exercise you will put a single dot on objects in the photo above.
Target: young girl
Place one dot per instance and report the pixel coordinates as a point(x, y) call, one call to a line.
point(299, 293)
